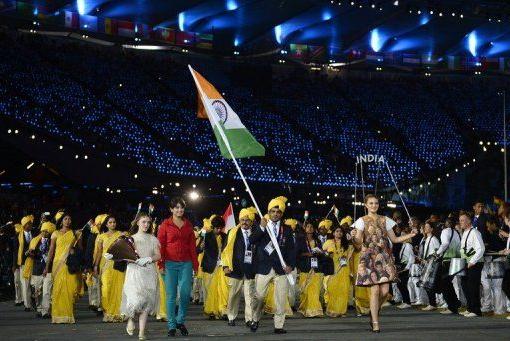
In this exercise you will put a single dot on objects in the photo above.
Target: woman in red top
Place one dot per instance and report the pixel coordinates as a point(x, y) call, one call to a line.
point(179, 258)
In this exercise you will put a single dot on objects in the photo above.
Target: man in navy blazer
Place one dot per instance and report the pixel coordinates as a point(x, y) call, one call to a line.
point(269, 267)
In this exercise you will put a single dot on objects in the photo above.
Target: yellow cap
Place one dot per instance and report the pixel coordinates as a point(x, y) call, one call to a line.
point(59, 215)
point(248, 212)
point(291, 222)
point(326, 223)
point(346, 220)
point(27, 219)
point(48, 227)
point(278, 202)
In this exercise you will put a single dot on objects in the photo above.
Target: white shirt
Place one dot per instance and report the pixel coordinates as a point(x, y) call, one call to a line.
point(246, 235)
point(472, 239)
point(360, 224)
point(407, 255)
point(28, 235)
point(446, 234)
point(323, 239)
point(431, 245)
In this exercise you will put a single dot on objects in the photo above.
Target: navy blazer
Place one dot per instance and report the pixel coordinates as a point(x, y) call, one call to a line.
point(211, 252)
point(242, 269)
point(265, 262)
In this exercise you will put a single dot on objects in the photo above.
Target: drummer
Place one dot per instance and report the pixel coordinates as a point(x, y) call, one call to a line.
point(495, 244)
point(450, 242)
point(431, 246)
point(472, 249)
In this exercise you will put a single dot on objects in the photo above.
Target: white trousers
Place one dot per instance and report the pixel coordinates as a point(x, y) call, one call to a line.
point(486, 293)
point(26, 292)
point(17, 286)
point(95, 292)
point(234, 297)
point(457, 286)
point(281, 287)
point(42, 292)
point(294, 290)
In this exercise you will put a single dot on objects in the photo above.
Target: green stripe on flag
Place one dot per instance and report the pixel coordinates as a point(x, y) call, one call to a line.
point(242, 143)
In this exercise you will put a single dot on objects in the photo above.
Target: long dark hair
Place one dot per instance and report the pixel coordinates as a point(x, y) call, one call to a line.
point(103, 227)
point(60, 221)
point(134, 224)
point(343, 241)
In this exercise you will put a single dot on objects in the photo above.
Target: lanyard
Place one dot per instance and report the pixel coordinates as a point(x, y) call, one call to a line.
point(467, 238)
point(425, 254)
point(308, 246)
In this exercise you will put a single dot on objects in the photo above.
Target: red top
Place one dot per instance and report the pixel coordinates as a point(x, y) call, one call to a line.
point(177, 244)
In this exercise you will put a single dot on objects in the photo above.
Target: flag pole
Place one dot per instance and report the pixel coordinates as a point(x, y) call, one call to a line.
point(248, 189)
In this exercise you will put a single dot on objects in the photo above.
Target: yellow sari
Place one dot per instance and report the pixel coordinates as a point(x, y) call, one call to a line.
point(66, 286)
point(112, 282)
point(161, 315)
point(217, 293)
point(336, 295)
point(310, 285)
point(361, 294)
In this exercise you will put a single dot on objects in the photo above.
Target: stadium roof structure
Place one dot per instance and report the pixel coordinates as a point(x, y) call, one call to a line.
point(435, 27)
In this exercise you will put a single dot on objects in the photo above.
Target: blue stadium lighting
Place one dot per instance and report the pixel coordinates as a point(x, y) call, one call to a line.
point(236, 41)
point(231, 5)
point(326, 15)
point(424, 19)
point(375, 40)
point(36, 11)
point(80, 5)
point(181, 21)
point(472, 43)
point(278, 34)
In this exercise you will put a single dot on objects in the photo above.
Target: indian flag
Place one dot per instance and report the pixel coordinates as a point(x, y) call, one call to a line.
point(229, 130)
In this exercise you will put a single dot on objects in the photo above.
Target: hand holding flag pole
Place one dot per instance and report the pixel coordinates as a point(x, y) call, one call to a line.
point(224, 139)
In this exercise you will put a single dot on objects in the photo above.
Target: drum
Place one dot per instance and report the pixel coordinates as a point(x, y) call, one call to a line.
point(415, 270)
point(496, 270)
point(429, 273)
point(457, 266)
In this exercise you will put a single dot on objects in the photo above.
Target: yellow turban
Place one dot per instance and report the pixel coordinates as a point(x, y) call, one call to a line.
point(27, 219)
point(346, 220)
point(207, 224)
point(277, 202)
point(59, 215)
point(326, 223)
point(18, 228)
point(48, 227)
point(291, 222)
point(100, 219)
point(249, 213)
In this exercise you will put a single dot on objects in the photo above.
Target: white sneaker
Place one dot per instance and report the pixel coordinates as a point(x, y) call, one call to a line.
point(508, 317)
point(416, 303)
point(386, 304)
point(428, 308)
point(404, 306)
point(446, 312)
point(443, 306)
point(471, 315)
point(464, 313)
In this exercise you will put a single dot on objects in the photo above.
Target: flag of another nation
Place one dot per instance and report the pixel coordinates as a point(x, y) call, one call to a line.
point(72, 20)
point(126, 28)
point(228, 216)
point(211, 105)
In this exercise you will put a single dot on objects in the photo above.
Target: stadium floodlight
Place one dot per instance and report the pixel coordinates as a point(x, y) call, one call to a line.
point(193, 195)
point(395, 3)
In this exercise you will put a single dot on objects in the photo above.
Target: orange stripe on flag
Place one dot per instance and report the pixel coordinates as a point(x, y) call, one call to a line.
point(209, 91)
